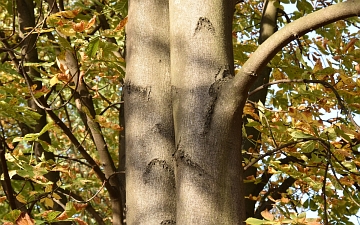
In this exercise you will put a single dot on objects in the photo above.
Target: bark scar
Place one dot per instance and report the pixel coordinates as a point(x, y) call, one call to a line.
point(204, 24)
point(157, 162)
point(222, 75)
point(167, 222)
point(186, 158)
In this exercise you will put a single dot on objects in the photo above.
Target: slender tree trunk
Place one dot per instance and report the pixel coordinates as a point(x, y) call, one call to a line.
point(25, 9)
point(150, 181)
point(208, 136)
point(267, 28)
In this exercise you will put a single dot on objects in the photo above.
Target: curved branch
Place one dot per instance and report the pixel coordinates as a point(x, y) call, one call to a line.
point(262, 56)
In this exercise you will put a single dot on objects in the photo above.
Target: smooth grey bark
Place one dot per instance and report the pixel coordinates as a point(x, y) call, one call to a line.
point(207, 103)
point(149, 135)
point(208, 133)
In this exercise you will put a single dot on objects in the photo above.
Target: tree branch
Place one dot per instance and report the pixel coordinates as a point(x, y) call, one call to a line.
point(262, 56)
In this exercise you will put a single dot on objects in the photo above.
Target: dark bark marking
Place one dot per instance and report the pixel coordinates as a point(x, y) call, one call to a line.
point(142, 91)
point(222, 75)
point(205, 23)
point(161, 163)
point(186, 158)
point(167, 222)
point(223, 72)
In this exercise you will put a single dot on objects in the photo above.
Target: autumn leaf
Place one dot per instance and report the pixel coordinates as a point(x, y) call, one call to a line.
point(79, 27)
point(80, 206)
point(80, 222)
point(267, 215)
point(122, 24)
point(91, 22)
point(62, 216)
point(69, 14)
point(2, 199)
point(24, 219)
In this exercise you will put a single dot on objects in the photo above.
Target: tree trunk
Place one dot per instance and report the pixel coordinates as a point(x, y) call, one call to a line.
point(206, 101)
point(267, 28)
point(149, 136)
point(208, 136)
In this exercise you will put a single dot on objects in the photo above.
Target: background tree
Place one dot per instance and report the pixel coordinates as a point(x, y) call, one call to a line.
point(203, 131)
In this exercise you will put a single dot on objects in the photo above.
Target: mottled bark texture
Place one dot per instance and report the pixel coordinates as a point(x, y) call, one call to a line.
point(208, 136)
point(149, 136)
point(183, 135)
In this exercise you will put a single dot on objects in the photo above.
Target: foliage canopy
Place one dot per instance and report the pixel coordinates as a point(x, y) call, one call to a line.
point(307, 158)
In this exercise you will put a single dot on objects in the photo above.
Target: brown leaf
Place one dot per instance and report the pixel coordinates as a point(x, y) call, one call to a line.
point(24, 219)
point(79, 27)
point(2, 198)
point(350, 44)
point(267, 215)
point(80, 206)
point(91, 22)
point(122, 24)
point(62, 216)
point(357, 68)
point(80, 222)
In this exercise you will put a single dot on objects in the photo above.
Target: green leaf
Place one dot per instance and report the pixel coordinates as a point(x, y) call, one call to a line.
point(64, 43)
point(308, 147)
point(52, 215)
point(93, 47)
point(326, 71)
point(299, 135)
point(12, 215)
point(70, 209)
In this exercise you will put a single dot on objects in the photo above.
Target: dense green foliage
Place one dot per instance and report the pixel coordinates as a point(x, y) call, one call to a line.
point(308, 130)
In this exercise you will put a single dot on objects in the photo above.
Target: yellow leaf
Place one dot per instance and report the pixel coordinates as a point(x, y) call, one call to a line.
point(54, 80)
point(48, 188)
point(56, 196)
point(318, 66)
point(285, 200)
point(70, 13)
point(66, 31)
point(278, 75)
point(271, 170)
point(21, 198)
point(49, 202)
